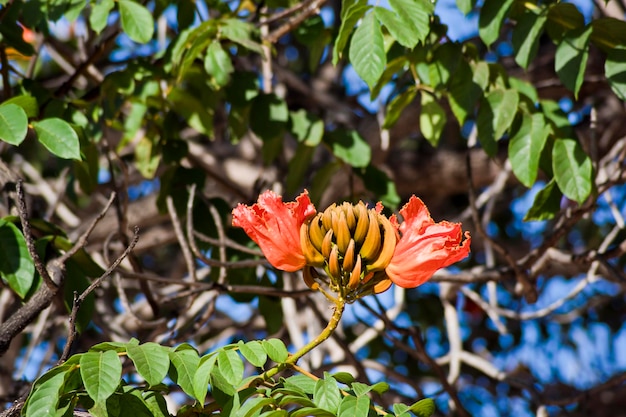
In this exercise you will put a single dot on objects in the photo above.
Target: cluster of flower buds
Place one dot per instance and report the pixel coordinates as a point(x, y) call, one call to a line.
point(353, 244)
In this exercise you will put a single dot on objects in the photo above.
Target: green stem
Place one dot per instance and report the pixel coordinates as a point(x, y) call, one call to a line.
point(340, 305)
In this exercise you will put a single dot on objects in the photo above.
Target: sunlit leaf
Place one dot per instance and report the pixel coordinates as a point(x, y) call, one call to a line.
point(615, 70)
point(275, 350)
point(326, 394)
point(492, 15)
point(16, 265)
point(354, 406)
point(526, 146)
point(58, 137)
point(185, 360)
point(218, 64)
point(137, 21)
point(572, 169)
point(230, 366)
point(571, 58)
point(526, 36)
point(351, 12)
point(432, 119)
point(496, 113)
point(101, 373)
point(367, 51)
point(44, 398)
point(202, 377)
point(151, 361)
point(13, 124)
point(99, 14)
point(423, 408)
point(350, 147)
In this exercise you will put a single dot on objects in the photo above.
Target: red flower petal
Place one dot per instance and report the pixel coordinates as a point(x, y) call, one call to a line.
point(275, 227)
point(425, 246)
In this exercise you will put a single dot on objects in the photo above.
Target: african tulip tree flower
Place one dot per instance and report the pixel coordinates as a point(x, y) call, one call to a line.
point(424, 246)
point(360, 249)
point(275, 227)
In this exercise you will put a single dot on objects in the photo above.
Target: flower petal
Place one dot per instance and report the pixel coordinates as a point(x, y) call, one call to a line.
point(275, 227)
point(425, 246)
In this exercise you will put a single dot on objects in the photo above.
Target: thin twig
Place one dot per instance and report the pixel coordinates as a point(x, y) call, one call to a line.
point(310, 9)
point(182, 240)
point(30, 241)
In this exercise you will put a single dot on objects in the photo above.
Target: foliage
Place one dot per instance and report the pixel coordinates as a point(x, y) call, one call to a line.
point(187, 108)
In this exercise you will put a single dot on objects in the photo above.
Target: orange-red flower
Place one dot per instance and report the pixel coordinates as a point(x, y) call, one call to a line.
point(361, 250)
point(275, 227)
point(424, 246)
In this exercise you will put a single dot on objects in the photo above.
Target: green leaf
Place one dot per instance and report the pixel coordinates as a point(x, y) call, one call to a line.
point(432, 119)
point(401, 409)
point(58, 137)
point(218, 64)
point(608, 33)
point(351, 12)
point(16, 265)
point(572, 169)
point(326, 394)
point(151, 360)
point(276, 350)
point(480, 74)
point(414, 14)
point(99, 15)
point(546, 204)
point(571, 58)
point(343, 377)
point(268, 116)
point(185, 360)
point(397, 105)
point(202, 376)
point(230, 366)
point(101, 373)
point(380, 387)
point(524, 88)
point(354, 406)
point(423, 408)
point(446, 58)
point(28, 103)
point(306, 127)
point(148, 155)
point(615, 70)
point(465, 6)
point(492, 15)
point(44, 397)
point(252, 406)
point(253, 352)
point(301, 383)
point(13, 124)
point(350, 147)
point(360, 389)
point(563, 17)
point(526, 36)
point(526, 146)
point(403, 33)
point(367, 51)
point(463, 92)
point(496, 113)
point(137, 21)
point(242, 33)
